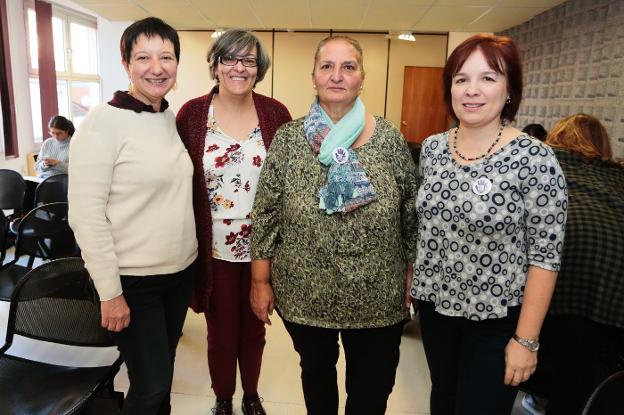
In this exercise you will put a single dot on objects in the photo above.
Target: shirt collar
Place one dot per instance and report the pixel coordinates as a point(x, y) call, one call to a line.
point(125, 101)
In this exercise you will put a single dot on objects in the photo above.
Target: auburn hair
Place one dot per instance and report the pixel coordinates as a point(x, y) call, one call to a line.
point(583, 134)
point(501, 54)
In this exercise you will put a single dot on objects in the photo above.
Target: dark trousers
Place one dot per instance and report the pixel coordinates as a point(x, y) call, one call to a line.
point(158, 305)
point(234, 332)
point(371, 356)
point(467, 362)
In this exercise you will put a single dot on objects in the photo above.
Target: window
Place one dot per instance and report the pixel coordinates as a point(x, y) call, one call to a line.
point(75, 60)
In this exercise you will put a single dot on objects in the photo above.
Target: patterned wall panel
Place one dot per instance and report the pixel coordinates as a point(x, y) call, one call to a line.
point(573, 57)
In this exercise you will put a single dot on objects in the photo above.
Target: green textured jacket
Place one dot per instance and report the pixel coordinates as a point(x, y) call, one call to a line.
point(336, 271)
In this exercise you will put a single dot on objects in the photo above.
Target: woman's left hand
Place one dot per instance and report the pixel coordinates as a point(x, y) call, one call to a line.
point(520, 363)
point(262, 300)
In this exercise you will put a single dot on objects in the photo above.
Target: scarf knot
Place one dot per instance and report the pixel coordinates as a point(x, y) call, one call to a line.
point(347, 187)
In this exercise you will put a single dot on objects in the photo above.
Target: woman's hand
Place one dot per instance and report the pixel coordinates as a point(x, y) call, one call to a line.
point(115, 314)
point(520, 363)
point(50, 162)
point(262, 300)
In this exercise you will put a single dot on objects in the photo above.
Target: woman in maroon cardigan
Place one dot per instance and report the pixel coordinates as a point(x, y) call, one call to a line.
point(227, 134)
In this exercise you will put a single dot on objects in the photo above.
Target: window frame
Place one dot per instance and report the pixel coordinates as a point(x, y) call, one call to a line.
point(68, 76)
point(8, 123)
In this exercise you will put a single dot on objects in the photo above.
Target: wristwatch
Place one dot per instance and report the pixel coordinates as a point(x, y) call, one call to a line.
point(531, 344)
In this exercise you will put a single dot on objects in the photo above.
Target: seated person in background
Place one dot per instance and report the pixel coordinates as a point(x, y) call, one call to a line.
point(536, 130)
point(583, 335)
point(53, 157)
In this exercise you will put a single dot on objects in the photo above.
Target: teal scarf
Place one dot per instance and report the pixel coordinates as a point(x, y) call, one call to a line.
point(347, 186)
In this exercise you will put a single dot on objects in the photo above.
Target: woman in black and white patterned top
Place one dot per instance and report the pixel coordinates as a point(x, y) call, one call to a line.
point(492, 211)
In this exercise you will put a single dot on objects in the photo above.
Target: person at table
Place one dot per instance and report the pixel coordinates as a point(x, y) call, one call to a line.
point(334, 232)
point(491, 213)
point(227, 133)
point(130, 206)
point(53, 156)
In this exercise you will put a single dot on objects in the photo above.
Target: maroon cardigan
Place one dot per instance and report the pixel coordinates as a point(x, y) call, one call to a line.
point(192, 126)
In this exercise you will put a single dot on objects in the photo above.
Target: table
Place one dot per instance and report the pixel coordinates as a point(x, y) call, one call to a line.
point(29, 194)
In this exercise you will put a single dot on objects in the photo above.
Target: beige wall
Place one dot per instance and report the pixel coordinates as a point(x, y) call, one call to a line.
point(290, 75)
point(455, 38)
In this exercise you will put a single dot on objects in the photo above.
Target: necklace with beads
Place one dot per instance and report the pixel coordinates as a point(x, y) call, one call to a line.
point(461, 156)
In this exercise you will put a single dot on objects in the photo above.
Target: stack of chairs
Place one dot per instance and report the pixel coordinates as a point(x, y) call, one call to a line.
point(56, 303)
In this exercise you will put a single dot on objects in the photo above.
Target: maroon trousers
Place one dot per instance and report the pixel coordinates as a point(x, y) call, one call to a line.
point(234, 332)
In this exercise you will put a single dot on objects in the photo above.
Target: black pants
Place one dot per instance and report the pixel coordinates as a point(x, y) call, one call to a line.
point(158, 305)
point(467, 362)
point(371, 355)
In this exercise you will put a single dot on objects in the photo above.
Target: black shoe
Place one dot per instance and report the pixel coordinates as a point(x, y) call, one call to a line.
point(253, 406)
point(222, 407)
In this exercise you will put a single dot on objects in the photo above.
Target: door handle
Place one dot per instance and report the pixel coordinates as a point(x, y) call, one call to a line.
point(403, 122)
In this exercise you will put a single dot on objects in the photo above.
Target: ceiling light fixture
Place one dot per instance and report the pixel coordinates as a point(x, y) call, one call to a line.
point(217, 33)
point(407, 36)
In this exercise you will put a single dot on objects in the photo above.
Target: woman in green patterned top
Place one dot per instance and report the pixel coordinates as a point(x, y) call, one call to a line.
point(333, 234)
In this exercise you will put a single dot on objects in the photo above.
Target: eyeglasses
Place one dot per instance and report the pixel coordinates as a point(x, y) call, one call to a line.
point(229, 60)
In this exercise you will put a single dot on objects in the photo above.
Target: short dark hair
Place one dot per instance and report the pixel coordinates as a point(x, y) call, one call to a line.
point(234, 41)
point(150, 26)
point(536, 130)
point(502, 55)
point(62, 123)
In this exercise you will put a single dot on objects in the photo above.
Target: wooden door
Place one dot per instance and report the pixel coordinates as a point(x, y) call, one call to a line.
point(423, 112)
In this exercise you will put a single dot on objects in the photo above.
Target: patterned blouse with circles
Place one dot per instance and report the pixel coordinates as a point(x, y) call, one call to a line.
point(482, 225)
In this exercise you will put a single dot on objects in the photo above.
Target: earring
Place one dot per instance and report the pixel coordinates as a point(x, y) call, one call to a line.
point(175, 86)
point(508, 100)
point(130, 87)
point(314, 86)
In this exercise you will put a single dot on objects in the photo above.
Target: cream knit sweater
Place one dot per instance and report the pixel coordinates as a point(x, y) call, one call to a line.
point(130, 196)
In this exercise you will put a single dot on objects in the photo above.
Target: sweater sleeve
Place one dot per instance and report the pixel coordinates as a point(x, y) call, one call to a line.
point(405, 174)
point(267, 209)
point(62, 166)
point(544, 204)
point(93, 152)
point(283, 115)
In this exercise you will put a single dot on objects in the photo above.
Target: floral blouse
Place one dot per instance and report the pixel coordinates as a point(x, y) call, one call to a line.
point(232, 169)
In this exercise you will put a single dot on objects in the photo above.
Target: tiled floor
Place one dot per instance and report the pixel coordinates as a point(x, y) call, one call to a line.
point(280, 385)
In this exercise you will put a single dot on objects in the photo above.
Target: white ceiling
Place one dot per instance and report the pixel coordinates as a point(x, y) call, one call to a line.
point(356, 15)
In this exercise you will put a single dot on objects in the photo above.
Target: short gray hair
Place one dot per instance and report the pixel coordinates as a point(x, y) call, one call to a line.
point(234, 41)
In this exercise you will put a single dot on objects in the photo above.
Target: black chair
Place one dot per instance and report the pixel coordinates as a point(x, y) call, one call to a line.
point(4, 227)
point(53, 189)
point(12, 188)
point(608, 397)
point(45, 233)
point(55, 303)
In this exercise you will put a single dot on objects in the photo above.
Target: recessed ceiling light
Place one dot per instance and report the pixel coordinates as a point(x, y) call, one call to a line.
point(406, 36)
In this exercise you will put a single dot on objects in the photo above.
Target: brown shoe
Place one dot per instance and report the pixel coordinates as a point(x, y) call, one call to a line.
point(222, 407)
point(253, 406)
